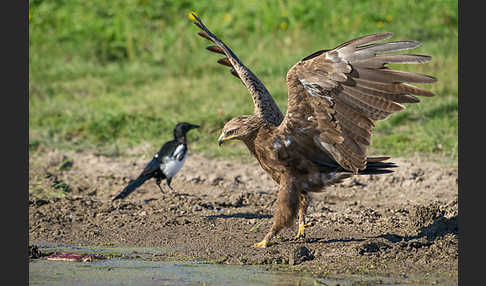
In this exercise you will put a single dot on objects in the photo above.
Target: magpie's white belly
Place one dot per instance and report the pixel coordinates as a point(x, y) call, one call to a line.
point(171, 167)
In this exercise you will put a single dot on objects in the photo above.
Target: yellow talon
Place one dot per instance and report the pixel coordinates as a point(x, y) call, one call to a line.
point(301, 231)
point(261, 244)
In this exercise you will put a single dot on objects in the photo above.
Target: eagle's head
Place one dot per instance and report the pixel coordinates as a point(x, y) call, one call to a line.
point(242, 128)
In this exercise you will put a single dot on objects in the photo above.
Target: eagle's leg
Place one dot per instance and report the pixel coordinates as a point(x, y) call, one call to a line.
point(266, 240)
point(303, 204)
point(287, 204)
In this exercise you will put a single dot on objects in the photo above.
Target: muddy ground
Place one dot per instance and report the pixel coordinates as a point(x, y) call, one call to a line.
point(402, 225)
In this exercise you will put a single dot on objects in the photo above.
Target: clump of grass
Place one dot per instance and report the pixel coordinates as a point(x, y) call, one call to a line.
point(116, 75)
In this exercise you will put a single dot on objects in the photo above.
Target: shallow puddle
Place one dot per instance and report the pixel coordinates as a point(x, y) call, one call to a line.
point(140, 266)
point(121, 268)
point(139, 272)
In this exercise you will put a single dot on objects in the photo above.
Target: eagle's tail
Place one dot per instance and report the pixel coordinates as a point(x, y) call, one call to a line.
point(376, 166)
point(134, 184)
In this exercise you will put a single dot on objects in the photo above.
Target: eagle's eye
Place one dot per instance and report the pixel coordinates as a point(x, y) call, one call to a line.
point(229, 132)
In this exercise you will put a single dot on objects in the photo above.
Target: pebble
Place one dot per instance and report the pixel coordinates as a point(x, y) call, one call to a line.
point(300, 254)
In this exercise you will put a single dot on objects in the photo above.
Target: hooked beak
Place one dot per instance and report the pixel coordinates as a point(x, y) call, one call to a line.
point(220, 140)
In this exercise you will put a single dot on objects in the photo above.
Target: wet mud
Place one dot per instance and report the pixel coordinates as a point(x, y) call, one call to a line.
point(402, 226)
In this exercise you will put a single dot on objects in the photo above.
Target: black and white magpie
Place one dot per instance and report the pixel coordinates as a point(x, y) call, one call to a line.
point(166, 163)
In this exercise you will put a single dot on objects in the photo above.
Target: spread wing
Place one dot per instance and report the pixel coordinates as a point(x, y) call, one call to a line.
point(335, 96)
point(265, 106)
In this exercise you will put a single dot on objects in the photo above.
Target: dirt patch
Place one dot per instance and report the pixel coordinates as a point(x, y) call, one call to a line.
point(402, 224)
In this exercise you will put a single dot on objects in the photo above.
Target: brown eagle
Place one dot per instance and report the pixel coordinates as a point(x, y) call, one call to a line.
point(334, 98)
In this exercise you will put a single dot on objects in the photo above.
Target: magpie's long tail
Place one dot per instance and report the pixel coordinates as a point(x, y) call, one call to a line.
point(376, 166)
point(133, 185)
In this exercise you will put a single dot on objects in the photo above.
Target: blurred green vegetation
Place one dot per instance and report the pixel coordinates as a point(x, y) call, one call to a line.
point(114, 74)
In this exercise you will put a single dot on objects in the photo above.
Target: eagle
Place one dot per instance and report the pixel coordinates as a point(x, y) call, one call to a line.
point(334, 98)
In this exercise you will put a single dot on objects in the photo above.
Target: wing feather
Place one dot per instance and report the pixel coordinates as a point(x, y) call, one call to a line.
point(345, 90)
point(392, 88)
point(225, 62)
point(379, 61)
point(215, 49)
point(265, 106)
point(353, 53)
point(370, 111)
point(391, 76)
point(395, 97)
point(372, 100)
point(359, 134)
point(365, 40)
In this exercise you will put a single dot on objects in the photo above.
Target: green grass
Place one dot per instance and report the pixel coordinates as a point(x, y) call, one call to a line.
point(112, 76)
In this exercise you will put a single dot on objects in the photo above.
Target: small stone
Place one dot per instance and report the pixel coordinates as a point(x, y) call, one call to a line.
point(40, 202)
point(372, 247)
point(215, 180)
point(300, 254)
point(196, 180)
point(34, 251)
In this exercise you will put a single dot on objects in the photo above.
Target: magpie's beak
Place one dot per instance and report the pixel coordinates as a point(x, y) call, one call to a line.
point(193, 126)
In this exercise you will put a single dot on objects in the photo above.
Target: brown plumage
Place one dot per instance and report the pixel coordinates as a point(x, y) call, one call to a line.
point(334, 98)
